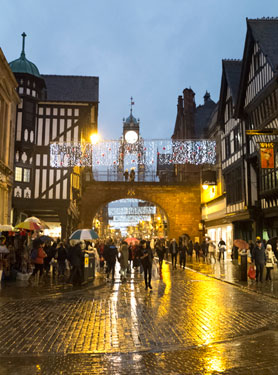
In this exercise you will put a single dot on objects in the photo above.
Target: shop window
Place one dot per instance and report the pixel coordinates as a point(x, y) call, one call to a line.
point(26, 175)
point(18, 174)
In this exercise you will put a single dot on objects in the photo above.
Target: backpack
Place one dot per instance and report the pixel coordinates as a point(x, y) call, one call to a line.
point(34, 254)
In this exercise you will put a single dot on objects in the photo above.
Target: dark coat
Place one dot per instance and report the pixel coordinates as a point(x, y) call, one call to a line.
point(259, 255)
point(146, 256)
point(110, 253)
point(171, 248)
point(75, 256)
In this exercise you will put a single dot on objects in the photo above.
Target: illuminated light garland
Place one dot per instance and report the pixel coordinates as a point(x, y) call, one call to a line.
point(145, 152)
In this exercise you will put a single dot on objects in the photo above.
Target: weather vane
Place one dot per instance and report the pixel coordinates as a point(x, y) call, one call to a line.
point(131, 104)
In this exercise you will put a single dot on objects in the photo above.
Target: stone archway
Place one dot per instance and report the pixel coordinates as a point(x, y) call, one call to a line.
point(180, 202)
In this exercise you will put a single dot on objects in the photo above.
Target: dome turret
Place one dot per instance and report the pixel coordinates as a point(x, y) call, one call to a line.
point(22, 65)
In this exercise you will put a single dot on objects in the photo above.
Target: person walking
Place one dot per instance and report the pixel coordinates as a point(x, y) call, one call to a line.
point(76, 259)
point(197, 249)
point(110, 255)
point(211, 251)
point(183, 251)
point(38, 255)
point(270, 260)
point(158, 247)
point(146, 257)
point(62, 256)
point(259, 259)
point(123, 255)
point(221, 248)
point(174, 252)
point(190, 250)
point(204, 249)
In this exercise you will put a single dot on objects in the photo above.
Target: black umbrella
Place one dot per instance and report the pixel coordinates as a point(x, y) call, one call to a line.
point(45, 238)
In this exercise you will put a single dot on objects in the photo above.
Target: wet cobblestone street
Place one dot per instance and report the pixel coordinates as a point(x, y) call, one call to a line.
point(188, 324)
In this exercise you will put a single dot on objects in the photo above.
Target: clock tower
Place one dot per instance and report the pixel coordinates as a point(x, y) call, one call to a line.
point(131, 127)
point(130, 153)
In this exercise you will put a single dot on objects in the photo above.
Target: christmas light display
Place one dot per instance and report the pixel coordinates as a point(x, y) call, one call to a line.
point(145, 152)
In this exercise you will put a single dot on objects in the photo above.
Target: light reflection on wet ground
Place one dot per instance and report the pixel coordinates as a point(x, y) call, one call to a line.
point(188, 324)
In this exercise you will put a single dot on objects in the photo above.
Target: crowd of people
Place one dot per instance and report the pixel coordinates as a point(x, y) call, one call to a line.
point(36, 256)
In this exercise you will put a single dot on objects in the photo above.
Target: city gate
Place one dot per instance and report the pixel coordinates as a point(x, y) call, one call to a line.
point(179, 201)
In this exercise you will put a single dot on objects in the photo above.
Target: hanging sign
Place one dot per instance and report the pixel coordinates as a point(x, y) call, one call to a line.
point(267, 155)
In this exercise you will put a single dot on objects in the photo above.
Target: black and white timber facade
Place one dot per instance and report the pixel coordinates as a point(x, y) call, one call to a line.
point(53, 108)
point(248, 100)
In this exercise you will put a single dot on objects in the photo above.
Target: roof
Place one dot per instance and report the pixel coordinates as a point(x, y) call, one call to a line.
point(232, 69)
point(71, 88)
point(22, 65)
point(202, 117)
point(265, 32)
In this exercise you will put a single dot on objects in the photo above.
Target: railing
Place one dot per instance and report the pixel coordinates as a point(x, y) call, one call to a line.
point(162, 178)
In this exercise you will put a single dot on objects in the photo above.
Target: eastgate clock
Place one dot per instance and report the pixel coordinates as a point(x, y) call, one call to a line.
point(131, 136)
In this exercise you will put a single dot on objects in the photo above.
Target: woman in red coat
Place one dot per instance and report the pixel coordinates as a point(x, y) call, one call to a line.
point(40, 255)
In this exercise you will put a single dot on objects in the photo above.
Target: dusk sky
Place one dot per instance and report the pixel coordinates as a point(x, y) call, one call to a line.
point(150, 49)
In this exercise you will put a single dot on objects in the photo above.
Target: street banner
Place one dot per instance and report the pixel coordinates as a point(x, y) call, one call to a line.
point(267, 155)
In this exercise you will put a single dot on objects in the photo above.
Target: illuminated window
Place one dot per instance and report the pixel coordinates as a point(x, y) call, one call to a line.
point(18, 174)
point(26, 175)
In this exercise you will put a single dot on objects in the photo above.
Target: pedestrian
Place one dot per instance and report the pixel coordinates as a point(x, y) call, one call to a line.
point(123, 256)
point(270, 260)
point(204, 249)
point(221, 248)
point(110, 255)
point(197, 249)
point(146, 257)
point(174, 252)
point(159, 249)
point(190, 250)
point(61, 258)
point(183, 251)
point(76, 259)
point(211, 251)
point(38, 255)
point(259, 259)
point(126, 175)
point(132, 175)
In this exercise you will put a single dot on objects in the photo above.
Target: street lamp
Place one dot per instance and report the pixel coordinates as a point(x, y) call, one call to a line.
point(94, 138)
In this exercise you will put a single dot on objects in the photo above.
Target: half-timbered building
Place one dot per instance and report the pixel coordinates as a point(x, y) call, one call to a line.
point(8, 102)
point(53, 108)
point(241, 197)
point(257, 105)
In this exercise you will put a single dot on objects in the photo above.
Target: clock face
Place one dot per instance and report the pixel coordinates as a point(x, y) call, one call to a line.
point(131, 136)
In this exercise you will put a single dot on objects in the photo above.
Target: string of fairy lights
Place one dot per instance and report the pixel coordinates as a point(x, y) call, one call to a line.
point(145, 152)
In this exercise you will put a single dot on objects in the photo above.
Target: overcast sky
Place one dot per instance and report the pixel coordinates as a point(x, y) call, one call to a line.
point(150, 49)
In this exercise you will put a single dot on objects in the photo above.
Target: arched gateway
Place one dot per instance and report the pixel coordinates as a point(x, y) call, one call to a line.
point(180, 202)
